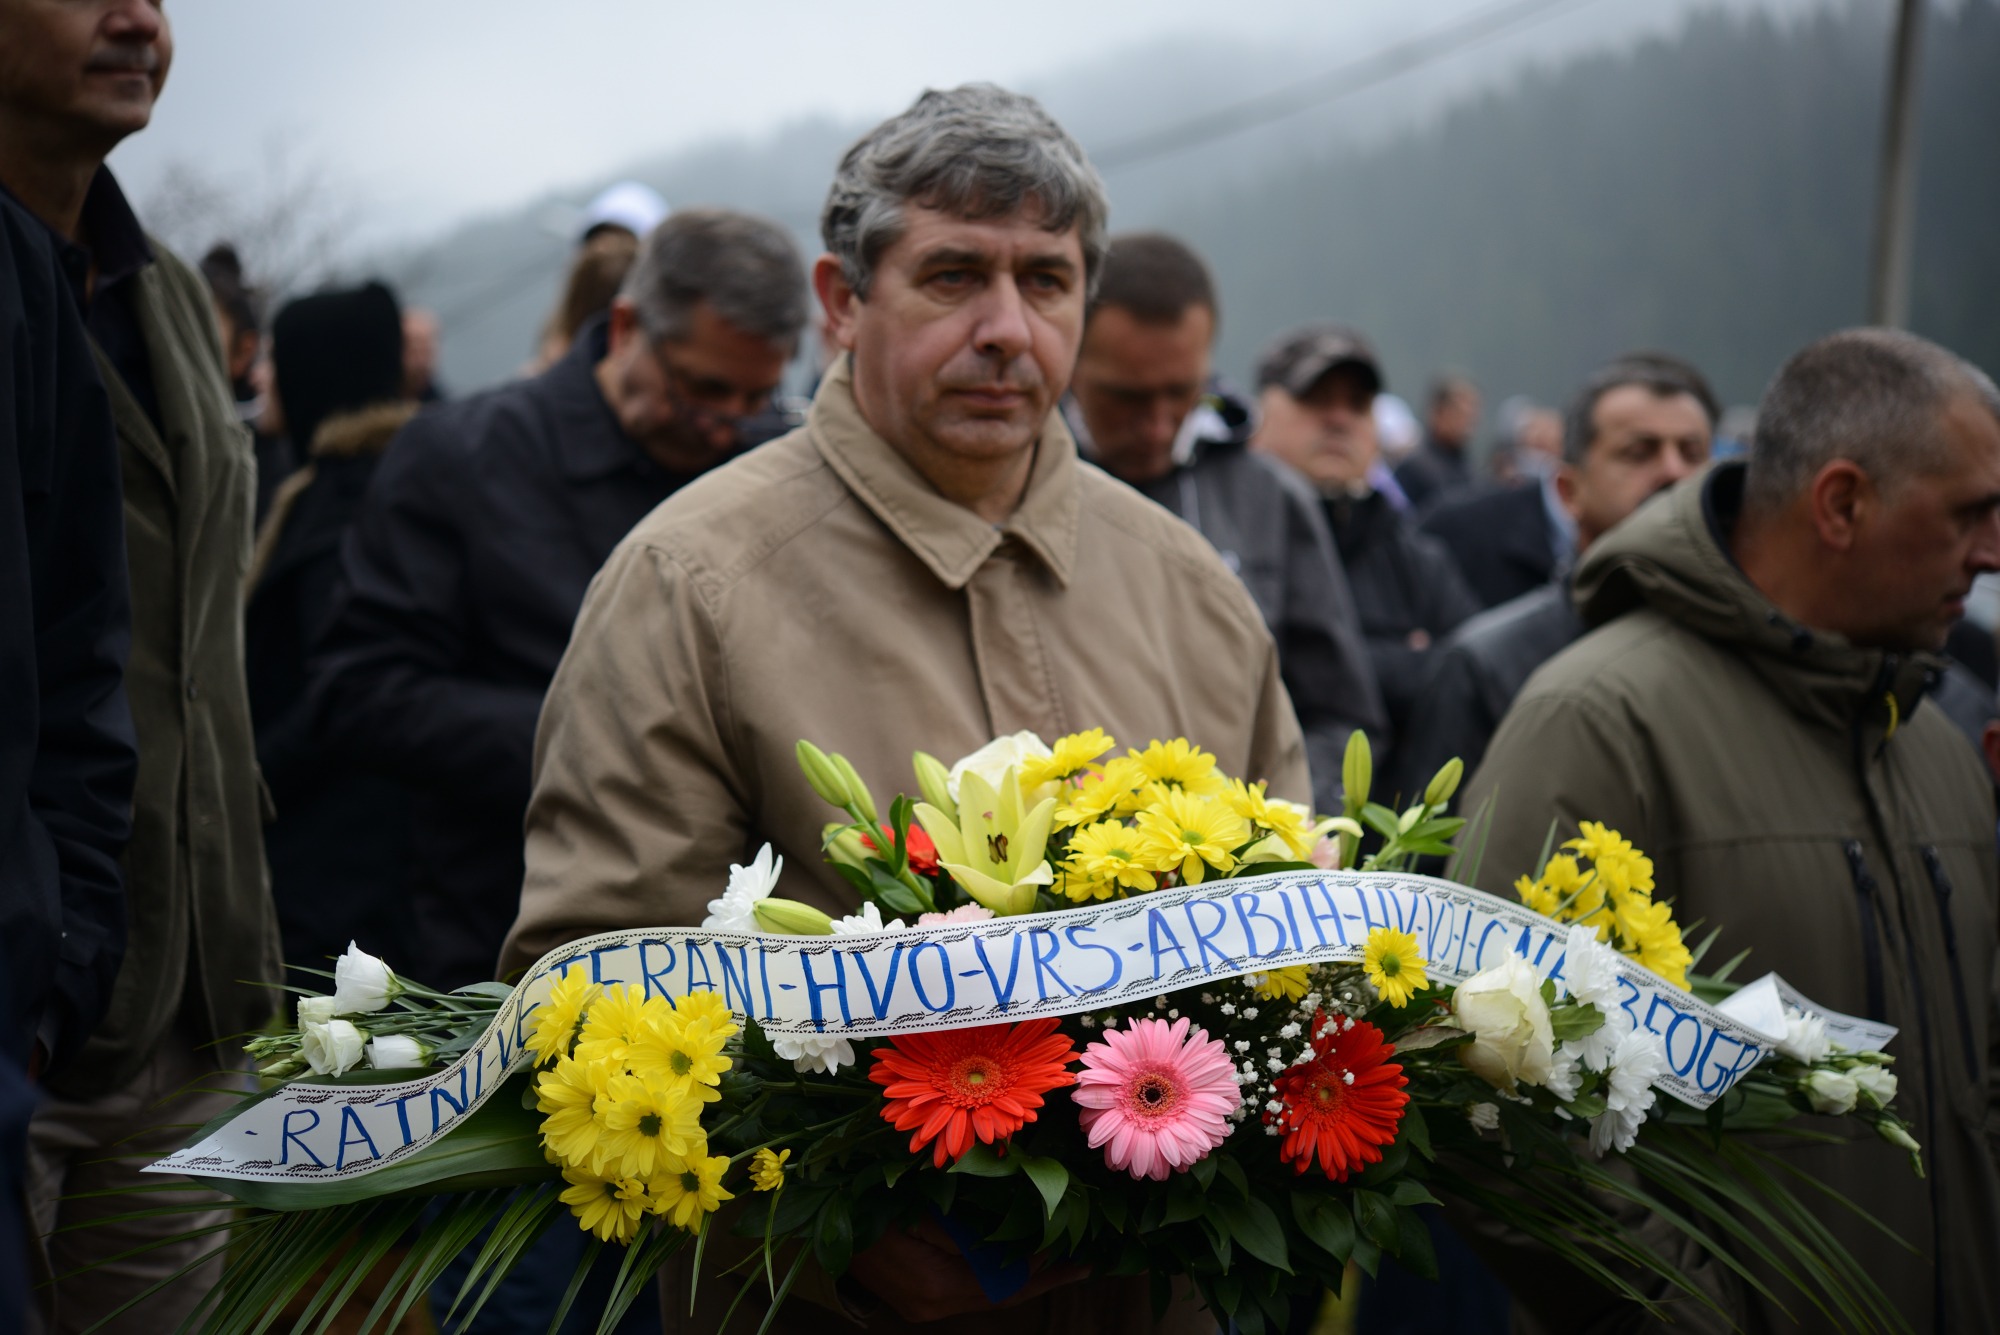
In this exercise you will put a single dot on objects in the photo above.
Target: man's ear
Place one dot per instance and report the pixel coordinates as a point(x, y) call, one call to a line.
point(1566, 487)
point(1840, 497)
point(837, 298)
point(624, 326)
point(1989, 744)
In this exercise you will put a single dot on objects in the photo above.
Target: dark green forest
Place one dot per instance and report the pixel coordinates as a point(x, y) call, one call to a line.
point(1711, 195)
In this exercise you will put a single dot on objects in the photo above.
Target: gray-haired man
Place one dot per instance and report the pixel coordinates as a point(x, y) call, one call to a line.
point(926, 563)
point(485, 523)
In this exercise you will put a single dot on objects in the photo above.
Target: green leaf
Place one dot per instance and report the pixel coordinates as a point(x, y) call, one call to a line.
point(1050, 1178)
point(1575, 1021)
point(893, 895)
point(1377, 1218)
point(1232, 1172)
point(1413, 1247)
point(1417, 1131)
point(1327, 1222)
point(1409, 1191)
point(833, 1239)
point(1203, 1171)
point(1255, 1225)
point(981, 1161)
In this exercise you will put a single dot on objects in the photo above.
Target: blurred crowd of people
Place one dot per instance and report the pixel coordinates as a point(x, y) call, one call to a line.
point(282, 617)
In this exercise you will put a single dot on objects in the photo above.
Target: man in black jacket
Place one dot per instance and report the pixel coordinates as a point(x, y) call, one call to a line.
point(1638, 425)
point(1144, 408)
point(1317, 387)
point(486, 522)
point(1441, 468)
point(67, 755)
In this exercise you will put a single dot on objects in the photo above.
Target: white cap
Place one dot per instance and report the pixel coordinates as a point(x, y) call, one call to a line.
point(635, 207)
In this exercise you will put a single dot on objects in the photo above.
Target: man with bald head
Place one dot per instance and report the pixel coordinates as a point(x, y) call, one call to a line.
point(1750, 710)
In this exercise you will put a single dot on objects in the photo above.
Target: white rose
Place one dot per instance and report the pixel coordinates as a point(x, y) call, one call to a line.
point(992, 761)
point(1503, 1008)
point(362, 983)
point(1876, 1086)
point(393, 1052)
point(315, 1010)
point(1832, 1092)
point(333, 1048)
point(1805, 1036)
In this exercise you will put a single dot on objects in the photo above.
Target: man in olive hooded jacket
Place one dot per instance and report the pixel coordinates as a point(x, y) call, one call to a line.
point(1749, 711)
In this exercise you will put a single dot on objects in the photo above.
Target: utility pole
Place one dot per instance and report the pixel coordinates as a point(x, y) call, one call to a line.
point(1895, 193)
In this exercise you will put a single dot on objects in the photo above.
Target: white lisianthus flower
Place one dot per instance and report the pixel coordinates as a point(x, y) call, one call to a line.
point(1503, 1008)
point(392, 1052)
point(821, 1053)
point(992, 761)
point(1483, 1116)
point(1832, 1092)
point(315, 1010)
point(736, 911)
point(1628, 1094)
point(868, 922)
point(1805, 1036)
point(333, 1048)
point(1876, 1086)
point(362, 983)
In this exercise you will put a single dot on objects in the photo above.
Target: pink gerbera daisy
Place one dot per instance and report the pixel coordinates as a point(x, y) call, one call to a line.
point(1158, 1096)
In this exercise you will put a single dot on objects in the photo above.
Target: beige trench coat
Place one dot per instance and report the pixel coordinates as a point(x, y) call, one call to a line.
point(819, 588)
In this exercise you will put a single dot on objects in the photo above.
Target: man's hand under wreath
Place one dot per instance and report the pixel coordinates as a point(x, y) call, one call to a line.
point(923, 1276)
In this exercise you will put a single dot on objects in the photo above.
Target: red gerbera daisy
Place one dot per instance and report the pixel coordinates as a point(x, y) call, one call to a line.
point(961, 1084)
point(923, 853)
point(1343, 1105)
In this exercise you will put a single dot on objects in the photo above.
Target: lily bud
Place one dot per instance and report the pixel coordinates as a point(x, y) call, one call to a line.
point(1444, 783)
point(857, 791)
point(1357, 771)
point(845, 847)
point(821, 774)
point(788, 917)
point(934, 782)
point(1408, 819)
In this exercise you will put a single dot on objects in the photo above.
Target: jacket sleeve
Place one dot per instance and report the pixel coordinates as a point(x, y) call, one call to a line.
point(87, 758)
point(1321, 653)
point(1556, 760)
point(1451, 717)
point(638, 806)
point(389, 681)
point(1277, 747)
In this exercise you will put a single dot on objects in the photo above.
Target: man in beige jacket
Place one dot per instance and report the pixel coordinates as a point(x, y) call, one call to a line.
point(926, 563)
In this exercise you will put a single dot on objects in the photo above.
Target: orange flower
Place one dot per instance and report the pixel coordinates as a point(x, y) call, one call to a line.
point(961, 1084)
point(1344, 1105)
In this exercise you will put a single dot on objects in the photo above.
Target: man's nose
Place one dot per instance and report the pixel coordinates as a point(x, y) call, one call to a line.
point(134, 21)
point(1984, 558)
point(1002, 330)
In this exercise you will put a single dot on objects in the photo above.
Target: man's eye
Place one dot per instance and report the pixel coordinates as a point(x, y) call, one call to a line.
point(952, 277)
point(1044, 282)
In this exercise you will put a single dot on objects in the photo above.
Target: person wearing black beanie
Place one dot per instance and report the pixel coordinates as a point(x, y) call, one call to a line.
point(337, 848)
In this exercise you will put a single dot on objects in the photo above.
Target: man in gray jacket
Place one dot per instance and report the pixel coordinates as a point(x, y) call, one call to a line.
point(1145, 408)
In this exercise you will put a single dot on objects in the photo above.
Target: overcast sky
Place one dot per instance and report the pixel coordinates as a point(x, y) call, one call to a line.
point(420, 114)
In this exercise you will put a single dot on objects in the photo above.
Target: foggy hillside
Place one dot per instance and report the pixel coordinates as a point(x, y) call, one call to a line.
point(1706, 191)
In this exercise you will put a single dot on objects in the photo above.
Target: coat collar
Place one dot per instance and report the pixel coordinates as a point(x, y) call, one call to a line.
point(950, 539)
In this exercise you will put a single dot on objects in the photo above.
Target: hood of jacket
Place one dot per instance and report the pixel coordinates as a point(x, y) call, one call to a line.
point(1672, 556)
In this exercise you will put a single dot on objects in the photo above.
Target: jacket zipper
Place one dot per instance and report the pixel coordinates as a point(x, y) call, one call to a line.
point(1941, 887)
point(1866, 892)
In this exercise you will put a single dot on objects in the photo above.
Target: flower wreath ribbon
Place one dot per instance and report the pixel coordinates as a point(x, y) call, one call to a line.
point(1005, 969)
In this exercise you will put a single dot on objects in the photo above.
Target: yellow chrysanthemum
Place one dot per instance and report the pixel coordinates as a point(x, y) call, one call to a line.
point(1110, 791)
point(1287, 984)
point(1068, 758)
point(560, 1015)
point(767, 1170)
point(1105, 860)
point(1538, 896)
point(1180, 764)
point(643, 1125)
point(1289, 821)
point(609, 1207)
point(1186, 833)
point(1391, 961)
point(1658, 945)
point(568, 1094)
point(707, 1006)
point(1621, 866)
point(617, 1020)
point(678, 1052)
point(688, 1189)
